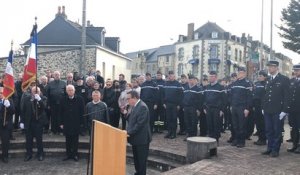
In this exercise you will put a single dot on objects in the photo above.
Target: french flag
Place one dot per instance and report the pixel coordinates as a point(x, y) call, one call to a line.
point(8, 82)
point(30, 67)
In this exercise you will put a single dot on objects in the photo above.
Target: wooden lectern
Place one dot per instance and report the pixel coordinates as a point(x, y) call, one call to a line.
point(108, 150)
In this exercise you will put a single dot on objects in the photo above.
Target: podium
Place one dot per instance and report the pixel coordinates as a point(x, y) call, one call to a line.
point(108, 146)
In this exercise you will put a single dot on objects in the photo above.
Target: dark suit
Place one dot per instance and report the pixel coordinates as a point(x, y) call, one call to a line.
point(34, 117)
point(5, 126)
point(139, 136)
point(275, 101)
point(71, 116)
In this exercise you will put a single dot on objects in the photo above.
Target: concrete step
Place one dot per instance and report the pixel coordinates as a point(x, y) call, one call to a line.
point(157, 163)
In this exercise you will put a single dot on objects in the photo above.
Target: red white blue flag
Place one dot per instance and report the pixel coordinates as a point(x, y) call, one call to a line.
point(30, 67)
point(8, 82)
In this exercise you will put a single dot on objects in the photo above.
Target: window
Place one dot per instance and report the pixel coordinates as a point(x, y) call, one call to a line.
point(113, 72)
point(148, 68)
point(240, 56)
point(167, 59)
point(213, 67)
point(103, 69)
point(195, 68)
point(214, 51)
point(196, 52)
point(214, 35)
point(235, 54)
point(180, 69)
point(154, 68)
point(180, 54)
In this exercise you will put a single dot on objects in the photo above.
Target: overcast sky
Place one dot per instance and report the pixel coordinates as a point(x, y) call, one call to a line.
point(143, 24)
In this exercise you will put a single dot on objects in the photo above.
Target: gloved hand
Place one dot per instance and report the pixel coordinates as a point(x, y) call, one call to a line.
point(282, 115)
point(22, 125)
point(6, 103)
point(262, 111)
point(37, 97)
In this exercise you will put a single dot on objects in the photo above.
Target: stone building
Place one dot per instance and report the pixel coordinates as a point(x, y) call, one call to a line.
point(152, 60)
point(59, 48)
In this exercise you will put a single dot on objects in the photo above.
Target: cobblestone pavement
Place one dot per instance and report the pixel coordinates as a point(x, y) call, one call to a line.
point(240, 161)
point(230, 160)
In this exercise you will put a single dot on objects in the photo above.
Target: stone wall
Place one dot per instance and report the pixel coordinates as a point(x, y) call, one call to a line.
point(64, 61)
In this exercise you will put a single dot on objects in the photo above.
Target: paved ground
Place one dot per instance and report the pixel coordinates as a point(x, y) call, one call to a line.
point(230, 160)
point(248, 160)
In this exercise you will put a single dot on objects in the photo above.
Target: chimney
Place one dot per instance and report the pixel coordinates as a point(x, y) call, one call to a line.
point(58, 11)
point(64, 12)
point(190, 33)
point(88, 23)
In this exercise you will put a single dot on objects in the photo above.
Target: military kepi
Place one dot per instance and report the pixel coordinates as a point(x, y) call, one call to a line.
point(273, 63)
point(296, 67)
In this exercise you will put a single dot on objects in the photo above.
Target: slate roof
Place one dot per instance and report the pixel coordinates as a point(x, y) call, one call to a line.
point(206, 30)
point(62, 31)
point(152, 54)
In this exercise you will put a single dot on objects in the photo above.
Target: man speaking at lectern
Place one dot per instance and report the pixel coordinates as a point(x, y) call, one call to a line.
point(139, 131)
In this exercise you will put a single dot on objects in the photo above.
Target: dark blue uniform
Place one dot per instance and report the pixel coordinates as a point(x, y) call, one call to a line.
point(258, 94)
point(173, 93)
point(149, 95)
point(241, 99)
point(214, 102)
point(192, 102)
point(294, 113)
point(182, 128)
point(275, 101)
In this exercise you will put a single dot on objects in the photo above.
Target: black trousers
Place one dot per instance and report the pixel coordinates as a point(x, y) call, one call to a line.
point(250, 124)
point(239, 123)
point(294, 121)
point(72, 145)
point(214, 122)
point(55, 118)
point(35, 130)
point(5, 135)
point(140, 154)
point(123, 121)
point(191, 120)
point(114, 116)
point(259, 121)
point(202, 124)
point(171, 113)
point(17, 117)
point(47, 124)
point(150, 106)
point(181, 119)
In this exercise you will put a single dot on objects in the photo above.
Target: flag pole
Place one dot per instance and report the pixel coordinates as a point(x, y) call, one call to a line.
point(36, 61)
point(5, 110)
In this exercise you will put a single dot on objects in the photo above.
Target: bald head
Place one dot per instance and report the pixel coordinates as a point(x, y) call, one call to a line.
point(70, 90)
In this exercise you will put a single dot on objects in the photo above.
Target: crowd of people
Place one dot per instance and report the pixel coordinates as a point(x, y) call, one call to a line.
point(204, 107)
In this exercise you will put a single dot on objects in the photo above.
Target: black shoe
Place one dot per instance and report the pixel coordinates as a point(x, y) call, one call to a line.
point(289, 140)
point(297, 150)
point(27, 158)
point(292, 149)
point(268, 152)
point(234, 143)
point(260, 142)
point(4, 159)
point(172, 137)
point(75, 158)
point(40, 157)
point(240, 145)
point(274, 154)
point(230, 140)
point(255, 134)
point(168, 135)
point(67, 158)
point(181, 133)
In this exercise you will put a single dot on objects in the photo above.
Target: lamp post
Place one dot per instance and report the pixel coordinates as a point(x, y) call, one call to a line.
point(271, 37)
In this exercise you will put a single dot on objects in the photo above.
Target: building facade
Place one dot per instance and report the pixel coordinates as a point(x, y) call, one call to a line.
point(59, 48)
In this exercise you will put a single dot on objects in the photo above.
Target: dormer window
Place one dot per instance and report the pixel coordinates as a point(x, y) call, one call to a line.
point(214, 35)
point(196, 36)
